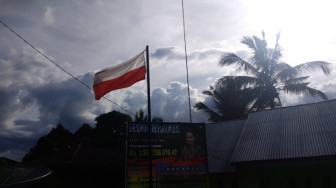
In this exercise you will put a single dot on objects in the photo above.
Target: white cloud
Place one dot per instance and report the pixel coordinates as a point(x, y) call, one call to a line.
point(48, 16)
point(172, 103)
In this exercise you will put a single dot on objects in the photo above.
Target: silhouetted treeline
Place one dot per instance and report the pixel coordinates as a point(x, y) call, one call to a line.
point(109, 132)
point(89, 157)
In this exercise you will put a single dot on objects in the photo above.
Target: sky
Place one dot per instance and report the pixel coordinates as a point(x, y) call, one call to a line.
point(84, 37)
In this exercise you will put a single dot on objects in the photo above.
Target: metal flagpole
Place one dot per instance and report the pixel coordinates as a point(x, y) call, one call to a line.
point(186, 58)
point(149, 123)
point(126, 170)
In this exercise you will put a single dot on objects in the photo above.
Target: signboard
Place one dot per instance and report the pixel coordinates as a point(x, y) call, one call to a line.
point(178, 155)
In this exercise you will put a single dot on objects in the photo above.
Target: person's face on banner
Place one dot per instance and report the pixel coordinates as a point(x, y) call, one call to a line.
point(190, 139)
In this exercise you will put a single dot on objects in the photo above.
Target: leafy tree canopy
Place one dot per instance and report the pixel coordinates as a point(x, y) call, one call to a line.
point(57, 140)
point(231, 100)
point(266, 77)
point(108, 133)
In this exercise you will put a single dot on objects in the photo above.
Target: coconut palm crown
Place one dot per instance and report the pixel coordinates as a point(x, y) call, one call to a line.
point(230, 98)
point(268, 75)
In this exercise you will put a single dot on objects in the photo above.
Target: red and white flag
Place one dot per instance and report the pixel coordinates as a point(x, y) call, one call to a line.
point(120, 76)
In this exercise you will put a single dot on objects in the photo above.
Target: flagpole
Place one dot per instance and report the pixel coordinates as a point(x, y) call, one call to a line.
point(186, 58)
point(149, 123)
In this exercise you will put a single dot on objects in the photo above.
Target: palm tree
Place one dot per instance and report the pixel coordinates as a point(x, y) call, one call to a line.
point(268, 75)
point(232, 99)
point(140, 116)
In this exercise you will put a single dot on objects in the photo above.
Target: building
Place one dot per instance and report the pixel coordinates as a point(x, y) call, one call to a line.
point(284, 147)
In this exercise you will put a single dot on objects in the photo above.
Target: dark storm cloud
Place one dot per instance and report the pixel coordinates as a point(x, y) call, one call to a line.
point(201, 55)
point(35, 96)
point(170, 53)
point(162, 52)
point(64, 102)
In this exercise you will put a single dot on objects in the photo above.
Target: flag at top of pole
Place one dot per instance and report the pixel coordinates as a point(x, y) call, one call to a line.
point(120, 76)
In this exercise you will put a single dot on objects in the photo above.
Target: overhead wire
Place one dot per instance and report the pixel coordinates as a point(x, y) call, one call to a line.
point(58, 66)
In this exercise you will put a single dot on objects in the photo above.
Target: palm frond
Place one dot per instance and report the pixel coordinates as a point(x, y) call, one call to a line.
point(248, 41)
point(280, 66)
point(260, 43)
point(295, 88)
point(303, 88)
point(259, 57)
point(208, 92)
point(253, 43)
point(212, 93)
point(233, 59)
point(240, 81)
point(286, 72)
point(296, 80)
point(312, 66)
point(276, 53)
point(315, 92)
point(213, 116)
point(249, 98)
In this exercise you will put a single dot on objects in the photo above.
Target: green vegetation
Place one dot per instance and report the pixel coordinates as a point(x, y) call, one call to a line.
point(266, 77)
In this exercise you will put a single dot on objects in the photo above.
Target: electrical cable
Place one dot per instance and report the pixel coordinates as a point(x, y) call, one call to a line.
point(50, 60)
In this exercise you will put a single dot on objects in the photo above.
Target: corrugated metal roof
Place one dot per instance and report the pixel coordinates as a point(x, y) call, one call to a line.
point(221, 140)
point(291, 132)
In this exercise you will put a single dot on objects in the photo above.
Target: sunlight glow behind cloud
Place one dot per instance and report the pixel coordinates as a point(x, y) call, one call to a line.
point(304, 25)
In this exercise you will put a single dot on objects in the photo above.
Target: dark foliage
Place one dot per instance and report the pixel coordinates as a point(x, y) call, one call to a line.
point(90, 157)
point(140, 116)
point(58, 141)
point(231, 100)
point(266, 77)
point(110, 130)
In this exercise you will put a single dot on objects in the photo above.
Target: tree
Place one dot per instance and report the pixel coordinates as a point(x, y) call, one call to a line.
point(56, 142)
point(141, 117)
point(110, 130)
point(112, 121)
point(231, 100)
point(84, 132)
point(267, 75)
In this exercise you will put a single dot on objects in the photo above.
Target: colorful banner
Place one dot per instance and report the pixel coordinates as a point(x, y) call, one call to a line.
point(178, 155)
